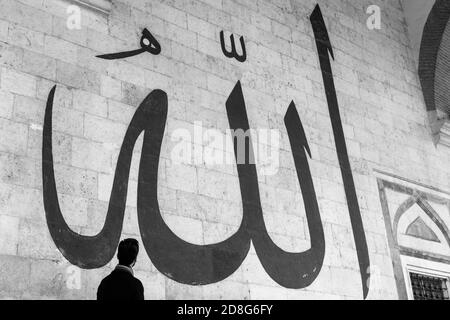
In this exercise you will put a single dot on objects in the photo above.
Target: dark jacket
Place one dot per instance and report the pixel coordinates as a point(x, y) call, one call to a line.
point(120, 285)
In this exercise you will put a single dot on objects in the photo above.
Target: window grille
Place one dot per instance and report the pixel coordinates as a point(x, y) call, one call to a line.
point(428, 287)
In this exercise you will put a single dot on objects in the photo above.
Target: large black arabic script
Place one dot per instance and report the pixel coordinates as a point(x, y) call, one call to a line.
point(195, 264)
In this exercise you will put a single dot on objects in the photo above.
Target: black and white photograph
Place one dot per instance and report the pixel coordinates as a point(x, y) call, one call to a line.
point(226, 156)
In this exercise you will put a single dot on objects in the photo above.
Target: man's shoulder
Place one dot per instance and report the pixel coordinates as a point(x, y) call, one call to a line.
point(139, 288)
point(113, 274)
point(106, 279)
point(119, 275)
point(138, 282)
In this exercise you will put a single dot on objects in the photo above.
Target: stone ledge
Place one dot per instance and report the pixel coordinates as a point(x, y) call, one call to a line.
point(440, 128)
point(103, 6)
point(444, 135)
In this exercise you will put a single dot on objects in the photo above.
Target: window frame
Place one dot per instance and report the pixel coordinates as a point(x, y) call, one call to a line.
point(426, 268)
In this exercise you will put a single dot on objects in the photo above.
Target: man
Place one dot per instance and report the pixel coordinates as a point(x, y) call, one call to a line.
point(121, 283)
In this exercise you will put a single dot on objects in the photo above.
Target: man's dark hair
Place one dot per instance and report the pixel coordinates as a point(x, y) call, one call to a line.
point(128, 251)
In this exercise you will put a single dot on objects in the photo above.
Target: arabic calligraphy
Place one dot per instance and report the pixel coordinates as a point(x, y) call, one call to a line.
point(324, 48)
point(205, 264)
point(172, 256)
point(148, 44)
point(233, 53)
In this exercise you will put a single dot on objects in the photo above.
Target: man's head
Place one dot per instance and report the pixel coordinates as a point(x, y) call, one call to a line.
point(128, 251)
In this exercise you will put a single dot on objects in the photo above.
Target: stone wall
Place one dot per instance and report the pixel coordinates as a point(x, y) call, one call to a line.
point(381, 104)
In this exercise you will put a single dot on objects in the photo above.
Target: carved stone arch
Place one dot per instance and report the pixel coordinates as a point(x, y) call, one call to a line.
point(421, 230)
point(433, 204)
point(429, 211)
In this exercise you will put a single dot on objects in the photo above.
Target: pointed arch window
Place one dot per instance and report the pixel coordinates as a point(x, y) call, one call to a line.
point(418, 232)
